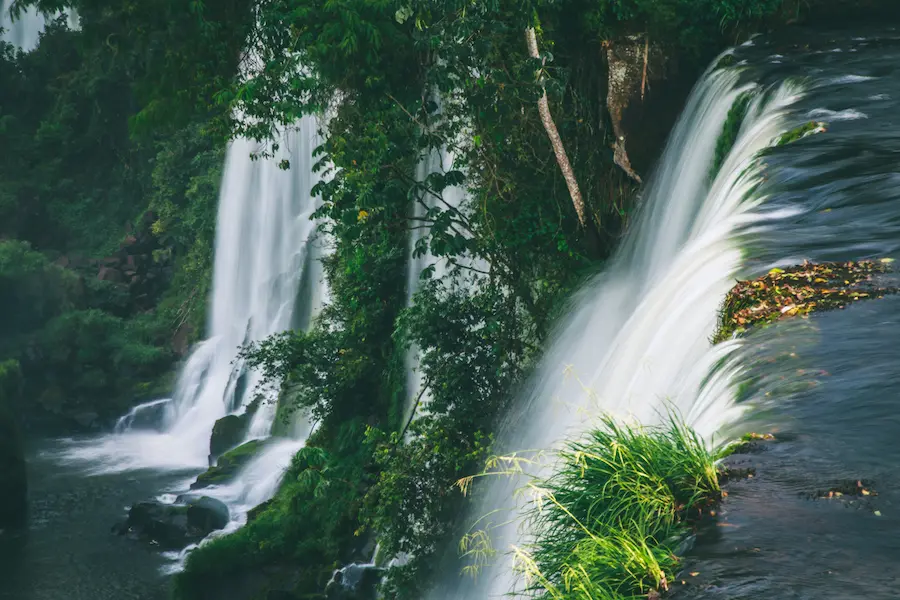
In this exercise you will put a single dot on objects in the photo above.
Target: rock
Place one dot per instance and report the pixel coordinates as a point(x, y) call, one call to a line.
point(227, 433)
point(13, 475)
point(162, 524)
point(174, 526)
point(230, 431)
point(228, 465)
point(87, 419)
point(62, 261)
point(207, 514)
point(354, 582)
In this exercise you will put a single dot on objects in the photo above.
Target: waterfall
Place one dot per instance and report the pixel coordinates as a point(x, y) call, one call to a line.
point(636, 340)
point(452, 198)
point(24, 32)
point(267, 279)
point(265, 248)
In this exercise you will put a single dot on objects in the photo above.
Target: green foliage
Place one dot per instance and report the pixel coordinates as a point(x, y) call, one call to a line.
point(608, 522)
point(730, 131)
point(691, 24)
point(800, 132)
point(108, 122)
point(91, 360)
point(31, 290)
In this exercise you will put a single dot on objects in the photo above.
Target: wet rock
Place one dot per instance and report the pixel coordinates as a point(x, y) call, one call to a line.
point(230, 431)
point(161, 524)
point(354, 582)
point(207, 514)
point(228, 465)
point(87, 419)
point(174, 526)
point(227, 433)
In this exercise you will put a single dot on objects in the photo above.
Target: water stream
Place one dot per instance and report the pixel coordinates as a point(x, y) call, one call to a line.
point(268, 278)
point(635, 343)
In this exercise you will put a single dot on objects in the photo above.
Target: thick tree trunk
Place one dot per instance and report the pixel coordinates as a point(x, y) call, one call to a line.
point(553, 133)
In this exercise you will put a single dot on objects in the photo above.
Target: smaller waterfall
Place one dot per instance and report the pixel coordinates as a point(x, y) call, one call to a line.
point(452, 198)
point(267, 279)
point(25, 31)
point(266, 247)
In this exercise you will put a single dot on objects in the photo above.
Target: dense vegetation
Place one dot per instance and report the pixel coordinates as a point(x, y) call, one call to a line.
point(107, 199)
point(120, 130)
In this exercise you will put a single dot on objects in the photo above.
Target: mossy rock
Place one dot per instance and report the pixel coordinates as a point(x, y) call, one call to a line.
point(229, 464)
point(799, 291)
point(229, 431)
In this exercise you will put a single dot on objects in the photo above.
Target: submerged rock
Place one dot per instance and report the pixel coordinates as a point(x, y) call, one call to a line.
point(174, 526)
point(228, 465)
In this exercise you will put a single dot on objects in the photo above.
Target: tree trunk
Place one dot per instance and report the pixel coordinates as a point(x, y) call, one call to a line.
point(553, 133)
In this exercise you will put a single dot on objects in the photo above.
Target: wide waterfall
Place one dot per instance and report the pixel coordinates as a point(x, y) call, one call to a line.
point(636, 343)
point(267, 279)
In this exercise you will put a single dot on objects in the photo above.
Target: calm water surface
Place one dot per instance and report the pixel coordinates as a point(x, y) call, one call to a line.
point(68, 551)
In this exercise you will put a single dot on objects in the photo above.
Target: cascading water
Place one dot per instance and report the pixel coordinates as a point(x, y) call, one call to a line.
point(637, 339)
point(268, 278)
point(452, 198)
point(265, 247)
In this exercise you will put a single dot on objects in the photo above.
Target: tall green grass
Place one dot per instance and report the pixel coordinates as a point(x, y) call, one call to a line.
point(608, 522)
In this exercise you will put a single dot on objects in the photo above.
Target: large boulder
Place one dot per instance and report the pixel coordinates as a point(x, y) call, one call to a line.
point(229, 431)
point(207, 514)
point(174, 526)
point(13, 477)
point(229, 465)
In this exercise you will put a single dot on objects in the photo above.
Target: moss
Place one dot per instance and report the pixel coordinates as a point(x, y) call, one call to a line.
point(799, 291)
point(229, 464)
point(730, 131)
point(797, 133)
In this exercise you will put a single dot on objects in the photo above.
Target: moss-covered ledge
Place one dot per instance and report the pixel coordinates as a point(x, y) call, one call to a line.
point(800, 290)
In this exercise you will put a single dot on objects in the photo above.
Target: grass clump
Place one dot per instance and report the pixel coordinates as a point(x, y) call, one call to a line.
point(730, 130)
point(608, 523)
point(799, 290)
point(797, 133)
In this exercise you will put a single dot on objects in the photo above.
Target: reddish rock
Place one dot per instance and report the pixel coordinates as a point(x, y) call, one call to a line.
point(62, 261)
